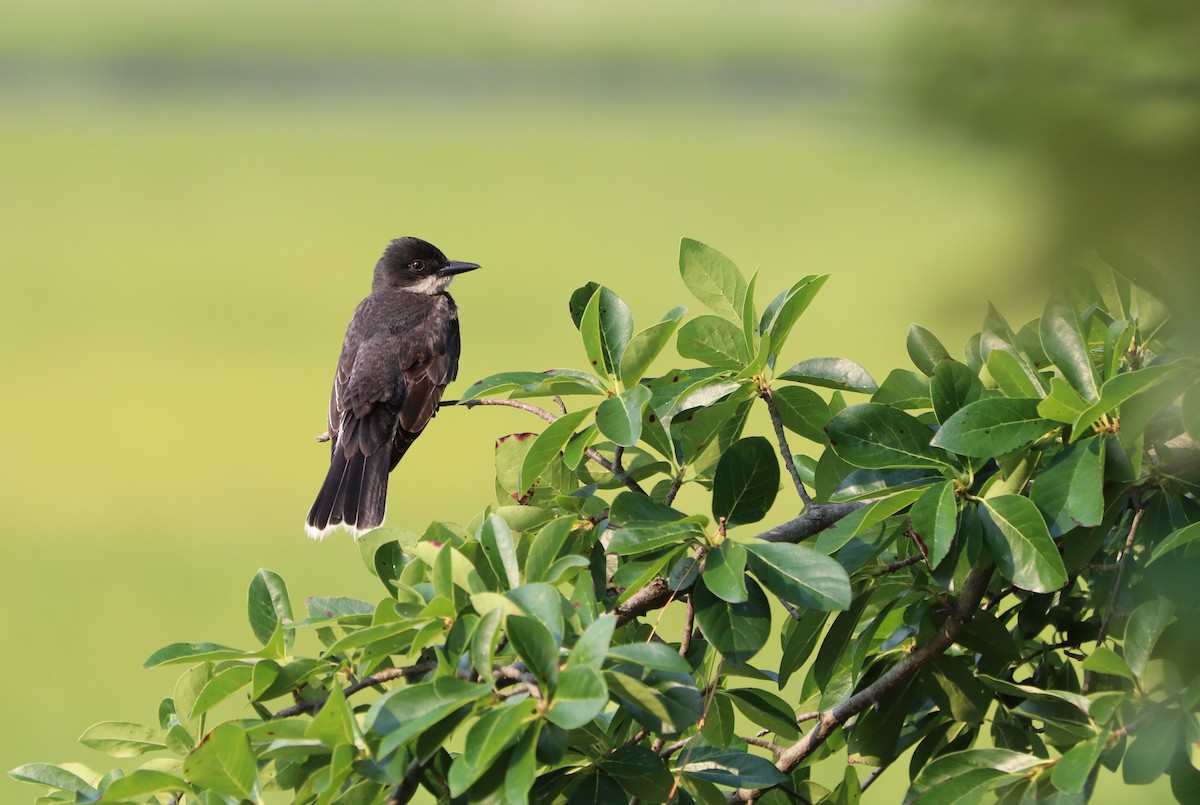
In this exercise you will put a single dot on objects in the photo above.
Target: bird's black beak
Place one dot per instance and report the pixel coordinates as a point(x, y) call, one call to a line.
point(455, 267)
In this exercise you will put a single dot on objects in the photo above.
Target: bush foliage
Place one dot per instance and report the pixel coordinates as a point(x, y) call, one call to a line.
point(991, 572)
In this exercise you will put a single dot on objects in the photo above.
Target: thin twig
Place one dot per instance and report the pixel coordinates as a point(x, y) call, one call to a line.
point(872, 777)
point(774, 749)
point(784, 450)
point(371, 681)
point(899, 564)
point(815, 519)
point(689, 623)
point(408, 785)
point(1122, 566)
point(676, 483)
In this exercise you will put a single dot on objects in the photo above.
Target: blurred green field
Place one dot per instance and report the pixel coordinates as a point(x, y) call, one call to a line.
point(181, 258)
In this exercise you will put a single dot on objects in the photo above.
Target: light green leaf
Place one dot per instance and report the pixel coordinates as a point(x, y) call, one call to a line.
point(935, 520)
point(861, 520)
point(713, 341)
point(990, 764)
point(1021, 544)
point(903, 389)
point(1142, 631)
point(737, 631)
point(1176, 539)
point(778, 320)
point(880, 437)
point(224, 763)
point(1104, 660)
point(746, 481)
point(589, 331)
point(333, 724)
point(712, 278)
point(404, 713)
point(620, 418)
point(1063, 403)
point(592, 646)
point(194, 653)
point(652, 656)
point(992, 426)
point(834, 373)
point(952, 387)
point(141, 782)
point(1119, 390)
point(644, 347)
point(1070, 492)
point(55, 777)
point(496, 730)
point(1065, 344)
point(616, 328)
point(1015, 377)
point(800, 575)
point(801, 410)
point(224, 684)
point(552, 382)
point(536, 646)
point(581, 696)
point(122, 738)
point(522, 767)
point(1075, 766)
point(725, 572)
point(548, 445)
point(268, 606)
point(925, 350)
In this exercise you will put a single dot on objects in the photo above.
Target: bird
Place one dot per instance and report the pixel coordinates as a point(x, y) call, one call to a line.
point(400, 352)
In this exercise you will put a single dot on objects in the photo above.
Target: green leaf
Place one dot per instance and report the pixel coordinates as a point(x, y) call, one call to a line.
point(662, 702)
point(1075, 766)
point(644, 347)
point(581, 696)
point(224, 684)
point(992, 426)
point(496, 539)
point(935, 520)
point(401, 714)
point(746, 481)
point(903, 389)
point(496, 730)
point(1142, 631)
point(1175, 540)
point(535, 645)
point(589, 331)
point(1118, 390)
point(725, 572)
point(1014, 376)
point(224, 763)
point(141, 782)
point(834, 373)
point(738, 631)
point(652, 656)
point(620, 418)
point(766, 710)
point(1063, 403)
point(522, 767)
point(1065, 344)
point(925, 350)
point(536, 384)
point(1020, 543)
point(953, 386)
point(122, 738)
point(879, 437)
point(1070, 492)
point(779, 319)
point(712, 278)
point(800, 575)
point(1152, 750)
point(616, 328)
point(577, 446)
point(802, 411)
point(548, 445)
point(55, 777)
point(640, 771)
point(333, 724)
point(592, 646)
point(1190, 409)
point(713, 341)
point(799, 639)
point(268, 606)
point(1104, 660)
point(729, 767)
point(194, 653)
point(989, 764)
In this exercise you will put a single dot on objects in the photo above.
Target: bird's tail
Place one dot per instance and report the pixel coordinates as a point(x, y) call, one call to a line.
point(354, 495)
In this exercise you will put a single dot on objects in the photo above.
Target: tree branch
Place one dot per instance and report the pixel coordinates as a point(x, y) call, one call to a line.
point(784, 450)
point(815, 519)
point(653, 596)
point(968, 602)
point(374, 679)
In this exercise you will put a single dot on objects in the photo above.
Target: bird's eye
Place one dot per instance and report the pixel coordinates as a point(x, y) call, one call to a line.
point(417, 265)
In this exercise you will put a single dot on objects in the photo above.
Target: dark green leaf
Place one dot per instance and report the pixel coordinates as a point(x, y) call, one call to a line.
point(779, 319)
point(546, 546)
point(661, 702)
point(993, 763)
point(401, 714)
point(992, 426)
point(863, 484)
point(620, 418)
point(592, 646)
point(1070, 492)
point(935, 520)
point(654, 656)
point(589, 331)
point(725, 572)
point(712, 278)
point(522, 768)
point(580, 697)
point(801, 410)
point(1176, 539)
point(834, 373)
point(1119, 390)
point(925, 350)
point(879, 437)
point(1142, 631)
point(269, 606)
point(1075, 766)
point(616, 328)
point(496, 539)
point(640, 771)
point(646, 537)
point(713, 341)
point(952, 387)
point(862, 520)
point(548, 445)
point(729, 767)
point(535, 645)
point(766, 710)
point(957, 691)
point(1191, 412)
point(746, 481)
point(223, 762)
point(1063, 403)
point(1066, 345)
point(903, 389)
point(1104, 660)
point(496, 730)
point(1020, 543)
point(1015, 377)
point(333, 724)
point(799, 639)
point(644, 347)
point(534, 384)
point(738, 631)
point(800, 575)
point(543, 603)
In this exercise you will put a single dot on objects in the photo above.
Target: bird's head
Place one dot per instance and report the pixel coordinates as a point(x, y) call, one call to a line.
point(416, 266)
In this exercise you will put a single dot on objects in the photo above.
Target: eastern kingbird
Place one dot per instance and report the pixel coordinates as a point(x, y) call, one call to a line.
point(401, 350)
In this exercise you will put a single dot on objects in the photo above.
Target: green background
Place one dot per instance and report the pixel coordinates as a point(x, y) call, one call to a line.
point(194, 195)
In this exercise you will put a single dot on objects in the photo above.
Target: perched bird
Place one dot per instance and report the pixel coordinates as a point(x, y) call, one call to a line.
point(400, 352)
